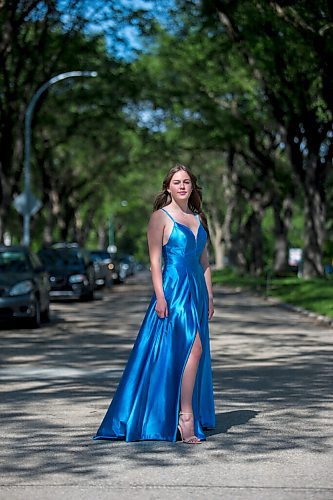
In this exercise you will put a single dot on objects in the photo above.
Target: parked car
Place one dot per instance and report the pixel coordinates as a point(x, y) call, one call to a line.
point(140, 266)
point(104, 267)
point(71, 271)
point(24, 286)
point(128, 264)
point(119, 270)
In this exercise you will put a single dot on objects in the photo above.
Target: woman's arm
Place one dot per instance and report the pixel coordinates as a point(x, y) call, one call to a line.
point(208, 278)
point(155, 239)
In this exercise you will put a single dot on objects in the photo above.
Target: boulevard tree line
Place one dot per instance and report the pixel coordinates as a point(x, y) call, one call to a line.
point(239, 91)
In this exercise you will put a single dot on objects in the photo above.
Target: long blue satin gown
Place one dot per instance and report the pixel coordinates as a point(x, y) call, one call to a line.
point(146, 403)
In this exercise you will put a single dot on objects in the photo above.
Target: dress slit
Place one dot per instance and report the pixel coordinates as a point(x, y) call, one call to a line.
point(197, 332)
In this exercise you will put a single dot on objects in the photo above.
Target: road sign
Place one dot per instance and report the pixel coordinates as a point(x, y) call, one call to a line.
point(27, 205)
point(295, 256)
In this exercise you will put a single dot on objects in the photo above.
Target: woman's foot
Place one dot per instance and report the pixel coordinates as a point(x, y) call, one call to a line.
point(186, 428)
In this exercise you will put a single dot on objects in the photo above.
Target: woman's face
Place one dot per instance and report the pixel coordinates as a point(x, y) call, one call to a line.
point(180, 186)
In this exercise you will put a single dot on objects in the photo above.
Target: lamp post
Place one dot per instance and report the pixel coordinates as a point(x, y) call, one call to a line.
point(112, 248)
point(29, 199)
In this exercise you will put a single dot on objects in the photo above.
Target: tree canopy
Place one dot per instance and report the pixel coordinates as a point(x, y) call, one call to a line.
point(239, 91)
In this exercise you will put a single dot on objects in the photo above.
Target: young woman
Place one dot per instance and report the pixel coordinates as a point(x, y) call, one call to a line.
point(167, 384)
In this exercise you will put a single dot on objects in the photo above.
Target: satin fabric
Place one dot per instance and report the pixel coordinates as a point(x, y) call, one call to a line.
point(146, 403)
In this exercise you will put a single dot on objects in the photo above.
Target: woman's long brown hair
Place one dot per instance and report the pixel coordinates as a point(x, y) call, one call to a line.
point(195, 200)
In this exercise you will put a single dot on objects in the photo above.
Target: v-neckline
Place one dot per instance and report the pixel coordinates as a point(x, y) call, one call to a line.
point(195, 236)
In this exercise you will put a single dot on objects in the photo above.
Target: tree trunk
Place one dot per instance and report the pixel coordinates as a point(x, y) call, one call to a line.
point(221, 233)
point(85, 226)
point(314, 221)
point(54, 222)
point(280, 265)
point(228, 180)
point(253, 230)
point(256, 264)
point(102, 232)
point(217, 242)
point(2, 229)
point(47, 231)
point(282, 220)
point(238, 245)
point(6, 160)
point(67, 228)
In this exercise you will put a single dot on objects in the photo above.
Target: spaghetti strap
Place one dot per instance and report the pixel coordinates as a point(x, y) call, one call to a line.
point(173, 220)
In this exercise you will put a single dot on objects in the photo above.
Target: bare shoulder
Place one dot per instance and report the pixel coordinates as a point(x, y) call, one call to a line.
point(157, 221)
point(158, 218)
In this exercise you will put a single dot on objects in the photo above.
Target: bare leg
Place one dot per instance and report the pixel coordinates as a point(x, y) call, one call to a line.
point(190, 371)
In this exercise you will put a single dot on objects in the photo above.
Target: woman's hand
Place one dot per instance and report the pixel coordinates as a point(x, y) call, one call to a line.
point(161, 308)
point(210, 308)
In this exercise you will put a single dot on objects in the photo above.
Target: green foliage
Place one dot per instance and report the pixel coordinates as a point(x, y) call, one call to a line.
point(223, 102)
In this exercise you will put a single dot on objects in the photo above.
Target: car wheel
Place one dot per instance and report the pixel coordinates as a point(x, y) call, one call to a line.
point(35, 321)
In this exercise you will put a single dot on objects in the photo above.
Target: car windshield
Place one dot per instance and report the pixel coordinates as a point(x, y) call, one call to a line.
point(100, 256)
point(12, 261)
point(61, 258)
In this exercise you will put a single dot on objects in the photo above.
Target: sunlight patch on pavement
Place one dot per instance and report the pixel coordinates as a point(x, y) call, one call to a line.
point(28, 373)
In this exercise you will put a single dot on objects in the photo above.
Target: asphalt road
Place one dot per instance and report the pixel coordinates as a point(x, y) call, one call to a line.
point(273, 384)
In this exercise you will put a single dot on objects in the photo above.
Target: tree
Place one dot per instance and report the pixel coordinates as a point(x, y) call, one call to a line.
point(214, 113)
point(289, 49)
point(27, 55)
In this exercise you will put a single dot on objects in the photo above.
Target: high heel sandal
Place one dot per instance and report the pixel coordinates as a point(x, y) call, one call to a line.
point(190, 440)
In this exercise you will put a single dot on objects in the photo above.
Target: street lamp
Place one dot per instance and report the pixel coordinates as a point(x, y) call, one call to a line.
point(112, 248)
point(31, 204)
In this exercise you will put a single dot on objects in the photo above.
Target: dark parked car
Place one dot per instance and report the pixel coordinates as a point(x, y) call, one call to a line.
point(104, 267)
point(24, 286)
point(71, 271)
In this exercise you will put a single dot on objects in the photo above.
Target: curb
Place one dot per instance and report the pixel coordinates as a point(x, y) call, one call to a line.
point(305, 312)
point(290, 307)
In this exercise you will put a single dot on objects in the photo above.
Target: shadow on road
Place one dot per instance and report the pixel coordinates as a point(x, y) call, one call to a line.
point(225, 421)
point(272, 379)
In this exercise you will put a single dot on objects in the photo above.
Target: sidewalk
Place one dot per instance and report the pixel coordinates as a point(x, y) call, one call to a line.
point(273, 383)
